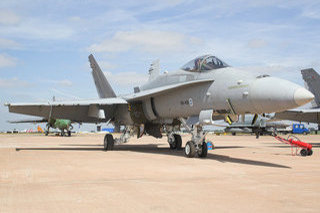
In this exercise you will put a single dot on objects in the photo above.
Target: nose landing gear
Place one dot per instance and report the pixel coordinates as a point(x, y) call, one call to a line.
point(197, 144)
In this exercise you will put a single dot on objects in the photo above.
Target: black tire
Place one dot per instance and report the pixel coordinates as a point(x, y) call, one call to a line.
point(303, 152)
point(62, 133)
point(190, 149)
point(204, 150)
point(46, 133)
point(69, 133)
point(173, 145)
point(234, 134)
point(108, 142)
point(310, 152)
point(177, 143)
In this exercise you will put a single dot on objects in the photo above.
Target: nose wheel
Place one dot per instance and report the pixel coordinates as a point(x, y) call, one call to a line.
point(203, 150)
point(191, 149)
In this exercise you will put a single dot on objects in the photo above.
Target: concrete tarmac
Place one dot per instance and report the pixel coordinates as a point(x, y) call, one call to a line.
point(73, 174)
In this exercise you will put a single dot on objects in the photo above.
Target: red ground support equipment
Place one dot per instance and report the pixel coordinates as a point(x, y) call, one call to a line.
point(293, 141)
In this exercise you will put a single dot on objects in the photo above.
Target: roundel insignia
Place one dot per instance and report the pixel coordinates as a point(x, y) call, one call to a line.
point(190, 102)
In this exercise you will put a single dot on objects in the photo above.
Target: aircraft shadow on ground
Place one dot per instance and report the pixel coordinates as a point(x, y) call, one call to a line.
point(154, 149)
point(314, 145)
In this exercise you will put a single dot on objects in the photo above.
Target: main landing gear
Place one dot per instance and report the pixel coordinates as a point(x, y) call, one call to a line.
point(174, 141)
point(191, 150)
point(109, 141)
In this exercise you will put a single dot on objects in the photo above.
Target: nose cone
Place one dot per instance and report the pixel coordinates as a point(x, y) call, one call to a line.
point(302, 96)
point(275, 95)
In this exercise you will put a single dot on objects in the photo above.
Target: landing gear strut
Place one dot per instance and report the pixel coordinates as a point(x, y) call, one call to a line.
point(197, 144)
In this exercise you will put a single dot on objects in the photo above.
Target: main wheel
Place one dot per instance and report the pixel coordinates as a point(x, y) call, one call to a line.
point(69, 133)
point(303, 152)
point(177, 143)
point(203, 152)
point(108, 142)
point(46, 133)
point(190, 149)
point(310, 152)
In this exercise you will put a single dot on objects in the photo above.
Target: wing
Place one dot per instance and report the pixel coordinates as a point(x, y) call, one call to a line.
point(164, 89)
point(301, 115)
point(90, 111)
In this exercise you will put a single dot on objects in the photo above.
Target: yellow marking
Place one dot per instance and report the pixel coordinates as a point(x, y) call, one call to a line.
point(229, 120)
point(238, 86)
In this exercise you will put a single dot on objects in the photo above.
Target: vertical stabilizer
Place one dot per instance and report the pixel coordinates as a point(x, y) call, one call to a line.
point(154, 70)
point(312, 82)
point(103, 87)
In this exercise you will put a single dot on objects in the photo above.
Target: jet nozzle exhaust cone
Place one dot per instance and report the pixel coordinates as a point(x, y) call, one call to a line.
point(302, 96)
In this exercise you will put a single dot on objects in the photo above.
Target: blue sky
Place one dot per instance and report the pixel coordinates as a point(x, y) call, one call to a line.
point(44, 45)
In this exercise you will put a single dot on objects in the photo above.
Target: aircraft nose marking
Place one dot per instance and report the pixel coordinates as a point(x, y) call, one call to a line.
point(302, 96)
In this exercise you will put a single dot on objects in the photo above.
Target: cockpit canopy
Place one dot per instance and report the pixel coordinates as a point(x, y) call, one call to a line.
point(204, 63)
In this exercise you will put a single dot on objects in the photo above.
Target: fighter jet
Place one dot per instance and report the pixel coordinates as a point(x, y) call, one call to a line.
point(257, 124)
point(205, 87)
point(311, 115)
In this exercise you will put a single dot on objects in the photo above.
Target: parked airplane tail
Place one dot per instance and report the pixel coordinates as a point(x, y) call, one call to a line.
point(103, 87)
point(312, 82)
point(154, 70)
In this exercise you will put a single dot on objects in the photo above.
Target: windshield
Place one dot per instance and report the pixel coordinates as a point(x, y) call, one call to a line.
point(204, 63)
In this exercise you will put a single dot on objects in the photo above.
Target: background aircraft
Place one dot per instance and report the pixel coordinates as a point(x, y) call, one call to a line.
point(310, 115)
point(205, 87)
point(64, 125)
point(257, 124)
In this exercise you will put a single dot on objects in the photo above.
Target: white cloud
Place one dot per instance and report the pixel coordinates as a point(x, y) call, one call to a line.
point(146, 41)
point(64, 94)
point(32, 28)
point(257, 43)
point(13, 83)
point(313, 13)
point(62, 83)
point(104, 65)
point(7, 61)
point(9, 18)
point(8, 44)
